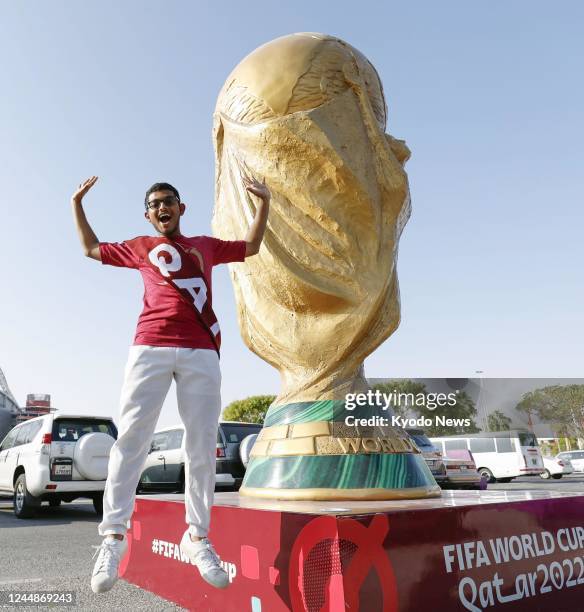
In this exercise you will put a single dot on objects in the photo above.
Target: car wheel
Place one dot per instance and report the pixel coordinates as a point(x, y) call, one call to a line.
point(25, 504)
point(98, 504)
point(545, 474)
point(557, 476)
point(487, 474)
point(54, 503)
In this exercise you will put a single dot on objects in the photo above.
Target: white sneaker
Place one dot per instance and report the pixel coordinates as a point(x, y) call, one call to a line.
point(105, 571)
point(203, 555)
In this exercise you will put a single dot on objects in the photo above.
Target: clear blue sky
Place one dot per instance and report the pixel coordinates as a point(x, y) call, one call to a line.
point(488, 96)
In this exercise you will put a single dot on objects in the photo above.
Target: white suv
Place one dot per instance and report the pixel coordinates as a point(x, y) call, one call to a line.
point(55, 458)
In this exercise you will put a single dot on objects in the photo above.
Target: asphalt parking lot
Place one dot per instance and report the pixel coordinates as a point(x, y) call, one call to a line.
point(53, 551)
point(573, 482)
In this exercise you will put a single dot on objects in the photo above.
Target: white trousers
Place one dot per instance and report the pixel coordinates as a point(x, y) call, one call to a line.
point(149, 373)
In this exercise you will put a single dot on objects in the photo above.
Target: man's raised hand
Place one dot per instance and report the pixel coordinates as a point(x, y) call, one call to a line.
point(252, 185)
point(258, 189)
point(89, 241)
point(83, 189)
point(255, 232)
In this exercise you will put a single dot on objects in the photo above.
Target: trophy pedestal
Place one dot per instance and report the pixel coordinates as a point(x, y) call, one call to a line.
point(518, 550)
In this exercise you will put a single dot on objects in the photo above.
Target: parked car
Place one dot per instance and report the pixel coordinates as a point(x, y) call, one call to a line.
point(431, 454)
point(556, 468)
point(56, 458)
point(164, 469)
point(461, 471)
point(576, 458)
point(499, 455)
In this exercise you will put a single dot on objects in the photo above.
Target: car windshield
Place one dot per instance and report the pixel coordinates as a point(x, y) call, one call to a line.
point(70, 430)
point(236, 433)
point(421, 440)
point(459, 455)
point(527, 439)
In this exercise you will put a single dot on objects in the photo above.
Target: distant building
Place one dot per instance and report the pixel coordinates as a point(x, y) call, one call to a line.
point(8, 407)
point(37, 404)
point(8, 413)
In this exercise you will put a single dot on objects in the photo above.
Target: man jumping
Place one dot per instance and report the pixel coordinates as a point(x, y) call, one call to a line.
point(177, 337)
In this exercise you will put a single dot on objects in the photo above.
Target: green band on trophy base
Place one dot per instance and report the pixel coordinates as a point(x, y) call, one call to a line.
point(326, 410)
point(355, 474)
point(385, 471)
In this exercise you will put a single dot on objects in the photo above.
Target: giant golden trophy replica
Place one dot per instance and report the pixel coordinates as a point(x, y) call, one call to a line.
point(307, 114)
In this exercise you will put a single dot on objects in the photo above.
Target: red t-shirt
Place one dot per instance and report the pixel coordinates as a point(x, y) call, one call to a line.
point(166, 319)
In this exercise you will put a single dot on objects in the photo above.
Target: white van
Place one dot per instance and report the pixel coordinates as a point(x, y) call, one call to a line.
point(499, 455)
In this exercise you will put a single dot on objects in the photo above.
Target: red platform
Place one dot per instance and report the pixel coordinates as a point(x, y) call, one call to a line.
point(480, 550)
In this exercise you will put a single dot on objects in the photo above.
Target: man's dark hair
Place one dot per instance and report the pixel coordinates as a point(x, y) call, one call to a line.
point(160, 187)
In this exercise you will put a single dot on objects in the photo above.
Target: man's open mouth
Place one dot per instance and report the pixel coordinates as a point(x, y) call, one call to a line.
point(164, 218)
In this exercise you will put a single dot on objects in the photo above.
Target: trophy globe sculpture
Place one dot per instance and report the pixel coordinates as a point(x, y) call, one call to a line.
point(306, 113)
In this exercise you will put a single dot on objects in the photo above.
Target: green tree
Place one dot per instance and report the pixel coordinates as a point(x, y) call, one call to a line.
point(401, 386)
point(250, 410)
point(562, 406)
point(497, 421)
point(464, 408)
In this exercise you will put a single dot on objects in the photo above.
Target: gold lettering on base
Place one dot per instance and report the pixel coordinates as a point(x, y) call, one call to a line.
point(387, 445)
point(370, 445)
point(350, 445)
point(373, 445)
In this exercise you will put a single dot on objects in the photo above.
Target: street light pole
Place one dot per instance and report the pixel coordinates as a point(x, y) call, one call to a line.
point(481, 408)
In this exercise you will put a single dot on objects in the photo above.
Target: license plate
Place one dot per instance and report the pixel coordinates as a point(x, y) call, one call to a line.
point(62, 470)
point(463, 468)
